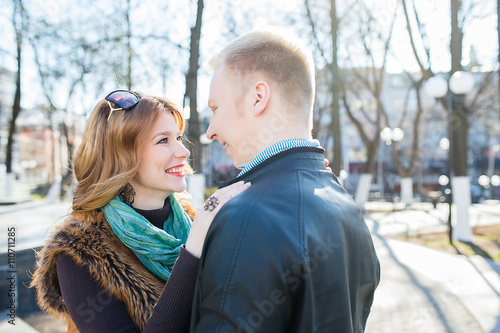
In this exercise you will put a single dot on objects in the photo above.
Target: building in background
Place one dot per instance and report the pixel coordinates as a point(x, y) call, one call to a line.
point(399, 100)
point(40, 150)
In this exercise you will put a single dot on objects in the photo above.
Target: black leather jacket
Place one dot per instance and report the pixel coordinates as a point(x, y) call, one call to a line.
point(290, 254)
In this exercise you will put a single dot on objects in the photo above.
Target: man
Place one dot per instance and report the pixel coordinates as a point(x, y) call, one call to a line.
point(292, 253)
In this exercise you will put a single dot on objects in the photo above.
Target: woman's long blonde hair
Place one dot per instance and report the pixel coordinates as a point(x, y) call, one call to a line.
point(109, 155)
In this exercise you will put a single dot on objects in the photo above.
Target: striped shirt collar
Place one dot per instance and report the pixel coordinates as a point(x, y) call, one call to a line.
point(277, 148)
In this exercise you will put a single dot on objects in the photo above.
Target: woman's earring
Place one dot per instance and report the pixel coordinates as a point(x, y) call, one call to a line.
point(128, 194)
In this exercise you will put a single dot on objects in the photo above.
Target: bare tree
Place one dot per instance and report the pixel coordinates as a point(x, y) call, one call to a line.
point(460, 123)
point(459, 128)
point(359, 80)
point(129, 45)
point(366, 84)
point(63, 57)
point(460, 108)
point(19, 24)
point(80, 67)
point(190, 97)
point(333, 70)
point(416, 83)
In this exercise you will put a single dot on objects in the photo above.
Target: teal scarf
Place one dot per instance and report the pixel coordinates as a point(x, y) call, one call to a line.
point(157, 249)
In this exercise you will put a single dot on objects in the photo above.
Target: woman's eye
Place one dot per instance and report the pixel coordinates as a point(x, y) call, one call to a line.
point(164, 140)
point(179, 138)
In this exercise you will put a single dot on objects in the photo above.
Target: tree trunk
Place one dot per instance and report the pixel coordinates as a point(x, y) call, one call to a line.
point(365, 180)
point(461, 198)
point(498, 30)
point(459, 135)
point(335, 124)
point(407, 190)
point(363, 190)
point(459, 126)
point(129, 47)
point(67, 176)
point(190, 97)
point(16, 107)
point(53, 176)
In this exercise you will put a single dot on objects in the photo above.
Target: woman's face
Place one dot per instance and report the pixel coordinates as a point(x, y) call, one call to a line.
point(161, 170)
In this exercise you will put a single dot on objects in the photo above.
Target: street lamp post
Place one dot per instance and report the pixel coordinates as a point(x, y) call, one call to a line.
point(460, 83)
point(491, 159)
point(490, 179)
point(445, 181)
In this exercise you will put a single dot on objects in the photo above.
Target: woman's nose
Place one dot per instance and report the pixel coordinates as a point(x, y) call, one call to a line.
point(182, 151)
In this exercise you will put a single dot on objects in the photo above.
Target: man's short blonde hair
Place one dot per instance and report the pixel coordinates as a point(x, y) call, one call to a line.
point(281, 59)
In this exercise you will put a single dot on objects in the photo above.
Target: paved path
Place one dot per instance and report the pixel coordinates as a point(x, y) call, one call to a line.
point(423, 290)
point(32, 220)
point(20, 327)
point(395, 220)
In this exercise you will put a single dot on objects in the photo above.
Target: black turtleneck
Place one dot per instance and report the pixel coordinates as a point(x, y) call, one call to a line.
point(156, 216)
point(171, 313)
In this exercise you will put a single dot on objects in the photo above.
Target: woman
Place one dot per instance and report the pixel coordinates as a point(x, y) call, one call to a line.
point(104, 268)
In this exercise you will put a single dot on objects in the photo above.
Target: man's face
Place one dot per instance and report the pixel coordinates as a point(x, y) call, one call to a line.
point(231, 122)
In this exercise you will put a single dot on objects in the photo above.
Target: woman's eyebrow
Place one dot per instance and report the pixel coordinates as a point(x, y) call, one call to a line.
point(165, 133)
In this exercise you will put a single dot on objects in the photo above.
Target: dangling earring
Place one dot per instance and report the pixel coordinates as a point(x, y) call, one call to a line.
point(128, 194)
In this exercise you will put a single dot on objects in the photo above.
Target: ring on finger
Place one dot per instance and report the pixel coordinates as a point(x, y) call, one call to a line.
point(211, 203)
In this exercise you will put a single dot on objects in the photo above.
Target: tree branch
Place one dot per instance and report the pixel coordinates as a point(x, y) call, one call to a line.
point(314, 32)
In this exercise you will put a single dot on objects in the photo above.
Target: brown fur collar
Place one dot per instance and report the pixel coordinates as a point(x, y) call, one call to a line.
point(89, 240)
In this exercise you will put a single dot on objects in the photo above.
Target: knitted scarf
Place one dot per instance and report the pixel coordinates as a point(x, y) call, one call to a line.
point(157, 249)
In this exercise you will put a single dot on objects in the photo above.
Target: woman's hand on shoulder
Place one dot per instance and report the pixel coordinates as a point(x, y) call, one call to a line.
point(204, 218)
point(327, 164)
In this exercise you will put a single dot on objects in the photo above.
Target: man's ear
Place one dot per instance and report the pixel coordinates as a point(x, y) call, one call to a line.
point(261, 98)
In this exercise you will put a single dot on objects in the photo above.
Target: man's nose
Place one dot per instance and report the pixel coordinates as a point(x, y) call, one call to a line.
point(210, 132)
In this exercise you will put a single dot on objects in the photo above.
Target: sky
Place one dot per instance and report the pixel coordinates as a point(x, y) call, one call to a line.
point(481, 34)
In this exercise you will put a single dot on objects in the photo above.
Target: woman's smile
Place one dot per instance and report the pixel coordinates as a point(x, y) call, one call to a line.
point(177, 171)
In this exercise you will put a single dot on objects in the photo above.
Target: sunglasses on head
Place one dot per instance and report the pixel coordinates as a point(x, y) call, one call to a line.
point(125, 99)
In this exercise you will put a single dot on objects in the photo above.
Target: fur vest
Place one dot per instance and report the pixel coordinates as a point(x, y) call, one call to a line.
point(89, 240)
